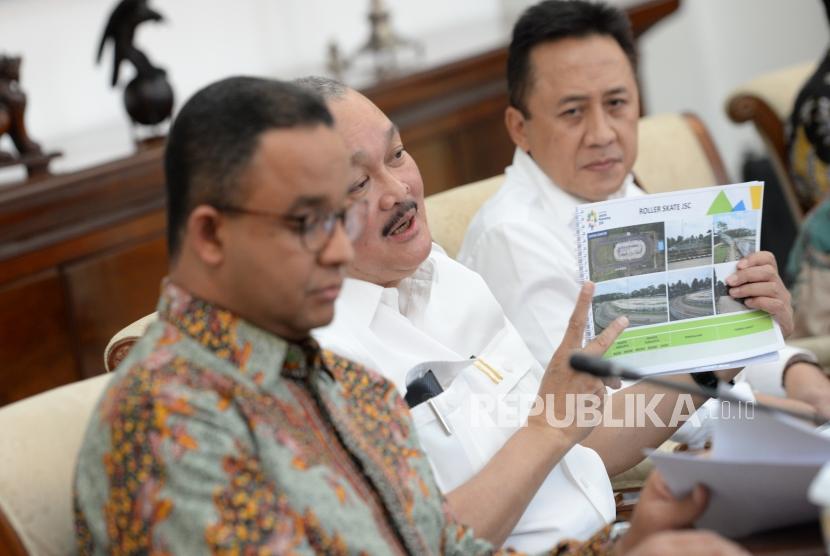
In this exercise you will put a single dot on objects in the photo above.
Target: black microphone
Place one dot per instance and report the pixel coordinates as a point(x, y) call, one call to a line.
point(603, 368)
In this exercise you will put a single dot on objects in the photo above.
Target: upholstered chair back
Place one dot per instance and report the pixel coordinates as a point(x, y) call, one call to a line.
point(450, 212)
point(675, 151)
point(39, 442)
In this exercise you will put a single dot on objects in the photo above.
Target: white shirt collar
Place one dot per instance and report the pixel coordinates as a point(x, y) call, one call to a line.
point(362, 299)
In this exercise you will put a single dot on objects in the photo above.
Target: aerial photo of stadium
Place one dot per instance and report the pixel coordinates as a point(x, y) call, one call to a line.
point(690, 293)
point(735, 235)
point(642, 299)
point(628, 251)
point(689, 242)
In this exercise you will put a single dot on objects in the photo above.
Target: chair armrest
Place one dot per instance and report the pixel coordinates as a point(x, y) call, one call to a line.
point(746, 107)
point(120, 344)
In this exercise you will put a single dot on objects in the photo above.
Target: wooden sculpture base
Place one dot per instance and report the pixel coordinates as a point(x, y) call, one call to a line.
point(37, 165)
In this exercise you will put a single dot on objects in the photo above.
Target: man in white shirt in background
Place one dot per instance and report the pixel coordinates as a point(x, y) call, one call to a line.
point(407, 308)
point(573, 115)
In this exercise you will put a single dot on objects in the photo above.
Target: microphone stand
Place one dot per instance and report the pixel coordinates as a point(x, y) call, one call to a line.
point(603, 368)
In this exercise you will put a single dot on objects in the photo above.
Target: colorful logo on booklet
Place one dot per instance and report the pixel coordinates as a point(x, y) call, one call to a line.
point(591, 219)
point(594, 219)
point(722, 204)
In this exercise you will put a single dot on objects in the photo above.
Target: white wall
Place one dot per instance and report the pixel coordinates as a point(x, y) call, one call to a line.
point(73, 108)
point(690, 61)
point(695, 58)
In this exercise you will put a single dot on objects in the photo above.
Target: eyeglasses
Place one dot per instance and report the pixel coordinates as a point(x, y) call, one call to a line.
point(315, 230)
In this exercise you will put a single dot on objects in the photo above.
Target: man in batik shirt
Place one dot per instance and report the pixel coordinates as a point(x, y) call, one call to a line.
point(227, 430)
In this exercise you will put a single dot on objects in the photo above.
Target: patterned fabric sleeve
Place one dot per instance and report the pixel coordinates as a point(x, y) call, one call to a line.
point(459, 539)
point(808, 138)
point(599, 544)
point(219, 481)
point(183, 478)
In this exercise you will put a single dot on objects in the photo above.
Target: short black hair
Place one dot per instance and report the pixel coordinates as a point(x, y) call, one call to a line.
point(553, 20)
point(216, 133)
point(324, 87)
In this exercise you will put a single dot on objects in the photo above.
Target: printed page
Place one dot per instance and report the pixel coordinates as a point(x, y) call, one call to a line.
point(662, 260)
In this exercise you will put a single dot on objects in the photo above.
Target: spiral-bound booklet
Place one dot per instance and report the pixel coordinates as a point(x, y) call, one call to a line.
point(662, 261)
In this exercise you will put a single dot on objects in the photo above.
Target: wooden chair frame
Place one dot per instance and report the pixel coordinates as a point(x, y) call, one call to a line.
point(10, 542)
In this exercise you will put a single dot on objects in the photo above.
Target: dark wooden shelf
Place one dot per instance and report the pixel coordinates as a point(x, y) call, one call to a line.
point(82, 254)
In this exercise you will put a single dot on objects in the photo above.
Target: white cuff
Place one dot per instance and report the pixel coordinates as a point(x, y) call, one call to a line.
point(767, 378)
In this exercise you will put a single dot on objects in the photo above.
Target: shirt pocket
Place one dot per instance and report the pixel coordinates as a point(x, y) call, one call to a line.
point(486, 403)
point(502, 384)
point(484, 406)
point(448, 449)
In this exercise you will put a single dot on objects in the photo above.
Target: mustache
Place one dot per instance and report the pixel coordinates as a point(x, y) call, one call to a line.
point(400, 214)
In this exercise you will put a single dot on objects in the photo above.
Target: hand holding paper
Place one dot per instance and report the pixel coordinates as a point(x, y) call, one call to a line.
point(757, 281)
point(659, 515)
point(757, 474)
point(658, 509)
point(686, 543)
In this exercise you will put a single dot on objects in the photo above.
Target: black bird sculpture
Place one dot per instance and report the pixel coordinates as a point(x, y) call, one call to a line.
point(148, 97)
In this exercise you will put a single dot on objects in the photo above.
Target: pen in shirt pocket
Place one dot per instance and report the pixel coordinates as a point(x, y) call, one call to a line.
point(424, 389)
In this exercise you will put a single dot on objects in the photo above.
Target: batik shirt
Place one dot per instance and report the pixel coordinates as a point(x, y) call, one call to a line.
point(808, 138)
point(808, 270)
point(217, 437)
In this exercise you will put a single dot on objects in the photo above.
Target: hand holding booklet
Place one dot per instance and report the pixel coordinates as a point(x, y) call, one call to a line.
point(662, 261)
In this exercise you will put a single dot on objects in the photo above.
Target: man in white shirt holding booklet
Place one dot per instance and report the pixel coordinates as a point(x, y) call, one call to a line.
point(407, 308)
point(573, 115)
point(519, 478)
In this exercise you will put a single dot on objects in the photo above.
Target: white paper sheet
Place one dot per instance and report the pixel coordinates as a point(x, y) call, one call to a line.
point(758, 473)
point(769, 438)
point(745, 496)
point(758, 360)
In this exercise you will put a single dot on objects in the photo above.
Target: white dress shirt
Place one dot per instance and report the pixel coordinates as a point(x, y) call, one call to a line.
point(523, 243)
point(438, 319)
